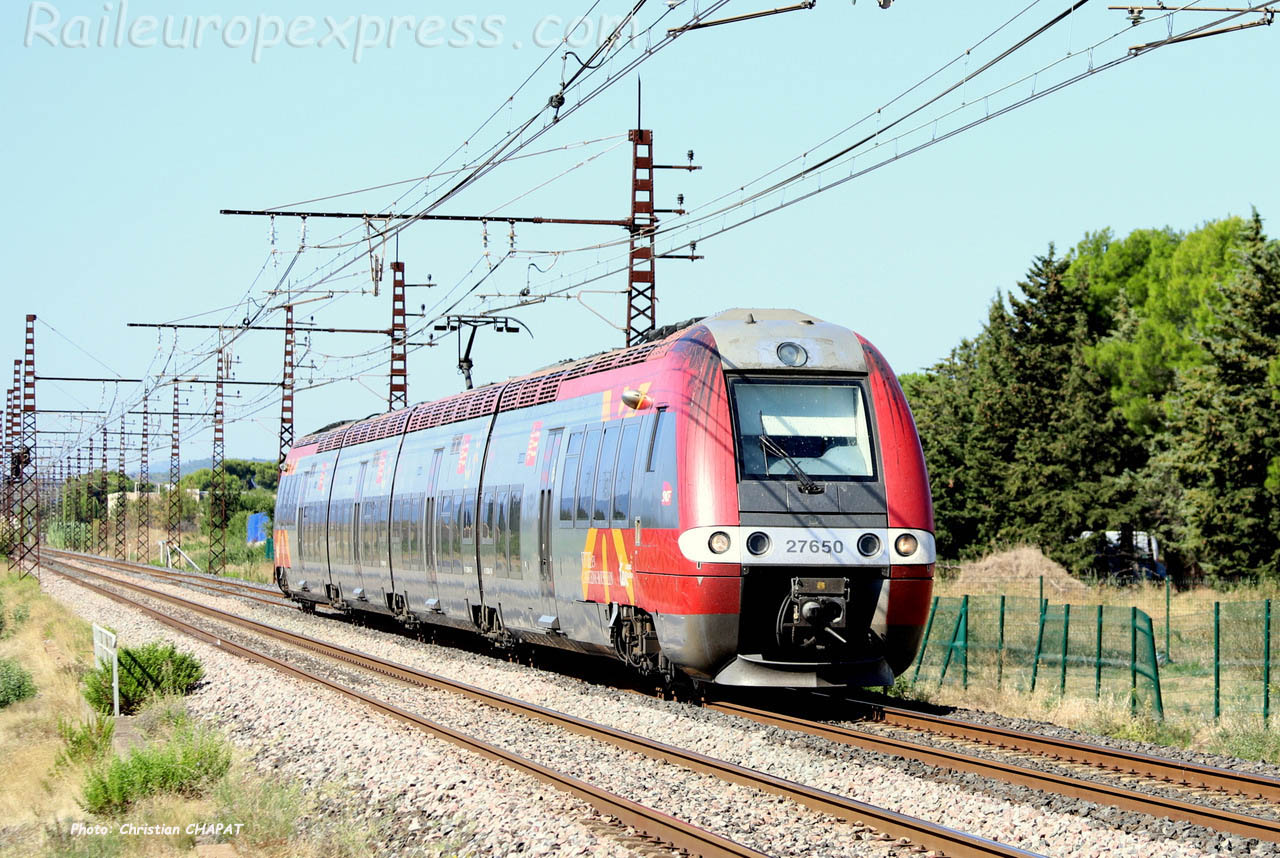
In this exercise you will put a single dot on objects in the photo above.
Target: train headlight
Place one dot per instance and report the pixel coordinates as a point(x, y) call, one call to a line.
point(759, 543)
point(719, 542)
point(868, 545)
point(792, 354)
point(906, 545)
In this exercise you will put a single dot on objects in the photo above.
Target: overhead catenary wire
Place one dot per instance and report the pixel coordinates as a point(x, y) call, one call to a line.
point(691, 223)
point(818, 169)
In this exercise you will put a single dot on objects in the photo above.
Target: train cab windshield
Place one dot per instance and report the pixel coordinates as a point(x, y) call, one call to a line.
point(818, 426)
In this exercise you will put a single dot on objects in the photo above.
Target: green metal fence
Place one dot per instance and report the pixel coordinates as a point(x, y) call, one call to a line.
point(1025, 644)
point(1207, 661)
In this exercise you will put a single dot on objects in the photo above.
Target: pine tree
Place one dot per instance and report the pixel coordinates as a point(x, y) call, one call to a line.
point(1223, 442)
point(1022, 439)
point(1070, 448)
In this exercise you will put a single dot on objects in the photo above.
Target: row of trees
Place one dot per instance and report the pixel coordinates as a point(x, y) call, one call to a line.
point(250, 488)
point(1133, 381)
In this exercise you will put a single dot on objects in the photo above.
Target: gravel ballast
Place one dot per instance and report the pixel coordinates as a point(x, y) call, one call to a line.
point(299, 731)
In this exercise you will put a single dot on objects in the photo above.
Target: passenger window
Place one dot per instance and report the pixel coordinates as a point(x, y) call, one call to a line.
point(513, 534)
point(587, 477)
point(456, 535)
point(570, 480)
point(446, 525)
point(626, 469)
point(655, 440)
point(468, 518)
point(411, 524)
point(500, 531)
point(487, 520)
point(604, 480)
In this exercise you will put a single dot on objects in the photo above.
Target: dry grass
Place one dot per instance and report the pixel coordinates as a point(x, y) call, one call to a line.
point(1235, 735)
point(38, 806)
point(1183, 627)
point(56, 647)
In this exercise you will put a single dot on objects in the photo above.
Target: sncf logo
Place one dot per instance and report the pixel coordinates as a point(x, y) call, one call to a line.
point(531, 452)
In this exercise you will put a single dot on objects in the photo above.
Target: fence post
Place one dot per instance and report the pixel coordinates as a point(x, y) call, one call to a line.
point(1000, 648)
point(961, 629)
point(1155, 670)
point(1266, 665)
point(1035, 664)
point(1041, 589)
point(924, 643)
point(1133, 659)
point(1168, 649)
point(1066, 637)
point(1097, 661)
point(1217, 660)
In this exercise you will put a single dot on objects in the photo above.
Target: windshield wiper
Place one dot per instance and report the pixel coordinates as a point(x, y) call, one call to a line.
point(807, 484)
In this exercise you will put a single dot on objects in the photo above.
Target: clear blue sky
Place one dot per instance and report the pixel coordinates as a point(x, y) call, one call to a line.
point(117, 160)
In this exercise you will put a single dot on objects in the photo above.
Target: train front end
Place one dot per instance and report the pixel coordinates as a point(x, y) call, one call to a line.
point(803, 475)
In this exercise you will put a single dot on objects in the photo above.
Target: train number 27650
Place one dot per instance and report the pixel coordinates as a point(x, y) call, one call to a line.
point(815, 546)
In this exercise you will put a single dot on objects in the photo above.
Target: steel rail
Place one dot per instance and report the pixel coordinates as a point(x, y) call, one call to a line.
point(928, 835)
point(682, 835)
point(1161, 768)
point(1230, 822)
point(228, 586)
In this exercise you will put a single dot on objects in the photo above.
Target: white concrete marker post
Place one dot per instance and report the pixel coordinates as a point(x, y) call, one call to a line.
point(104, 649)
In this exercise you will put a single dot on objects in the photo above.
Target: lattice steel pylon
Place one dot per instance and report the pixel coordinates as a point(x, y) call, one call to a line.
point(286, 387)
point(7, 528)
point(78, 501)
point(642, 298)
point(144, 490)
point(14, 469)
point(122, 500)
point(218, 488)
point(27, 547)
point(398, 392)
point(102, 489)
point(174, 521)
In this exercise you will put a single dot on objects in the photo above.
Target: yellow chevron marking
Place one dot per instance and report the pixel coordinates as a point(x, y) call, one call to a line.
point(606, 407)
point(624, 566)
point(588, 560)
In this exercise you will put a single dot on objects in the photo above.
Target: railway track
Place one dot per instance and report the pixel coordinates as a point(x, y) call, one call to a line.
point(222, 586)
point(1179, 772)
point(920, 833)
point(1263, 792)
point(1134, 765)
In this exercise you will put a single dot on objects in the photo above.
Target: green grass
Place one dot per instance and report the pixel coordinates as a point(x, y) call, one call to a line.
point(16, 683)
point(86, 742)
point(146, 672)
point(272, 806)
point(1249, 741)
point(61, 843)
point(188, 764)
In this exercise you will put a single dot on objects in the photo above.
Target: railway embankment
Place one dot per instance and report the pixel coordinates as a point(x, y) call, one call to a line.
point(1044, 824)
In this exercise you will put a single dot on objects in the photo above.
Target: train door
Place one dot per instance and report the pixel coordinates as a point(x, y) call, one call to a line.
point(298, 553)
point(456, 573)
point(431, 530)
point(355, 586)
point(311, 566)
point(549, 614)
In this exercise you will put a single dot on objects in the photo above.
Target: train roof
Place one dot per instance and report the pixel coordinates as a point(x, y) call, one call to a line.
point(746, 339)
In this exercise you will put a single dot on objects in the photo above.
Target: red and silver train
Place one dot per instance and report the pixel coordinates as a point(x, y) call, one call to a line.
point(744, 502)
